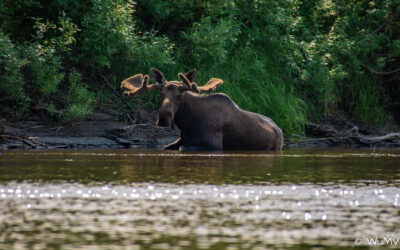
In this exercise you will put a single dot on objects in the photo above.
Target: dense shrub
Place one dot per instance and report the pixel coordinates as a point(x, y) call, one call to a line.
point(209, 42)
point(11, 78)
point(79, 99)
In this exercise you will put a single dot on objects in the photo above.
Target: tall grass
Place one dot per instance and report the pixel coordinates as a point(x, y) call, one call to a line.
point(259, 89)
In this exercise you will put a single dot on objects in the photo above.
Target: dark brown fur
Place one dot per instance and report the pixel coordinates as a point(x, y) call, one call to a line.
point(210, 122)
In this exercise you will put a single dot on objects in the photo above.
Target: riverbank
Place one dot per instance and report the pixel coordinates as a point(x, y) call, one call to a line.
point(106, 130)
point(100, 130)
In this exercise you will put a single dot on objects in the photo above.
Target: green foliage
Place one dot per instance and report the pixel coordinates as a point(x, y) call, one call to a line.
point(172, 17)
point(11, 77)
point(210, 41)
point(368, 108)
point(106, 30)
point(79, 100)
point(290, 60)
point(45, 70)
point(149, 50)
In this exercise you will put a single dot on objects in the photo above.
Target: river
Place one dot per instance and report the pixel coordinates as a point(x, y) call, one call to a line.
point(149, 199)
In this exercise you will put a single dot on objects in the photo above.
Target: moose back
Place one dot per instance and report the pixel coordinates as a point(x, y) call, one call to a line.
point(206, 122)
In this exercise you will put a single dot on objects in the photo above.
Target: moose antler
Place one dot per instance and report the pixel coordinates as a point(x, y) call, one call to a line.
point(137, 84)
point(210, 86)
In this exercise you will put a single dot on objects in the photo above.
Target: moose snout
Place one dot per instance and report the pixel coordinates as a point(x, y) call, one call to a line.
point(164, 118)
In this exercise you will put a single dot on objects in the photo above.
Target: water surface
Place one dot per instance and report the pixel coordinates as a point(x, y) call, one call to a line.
point(164, 200)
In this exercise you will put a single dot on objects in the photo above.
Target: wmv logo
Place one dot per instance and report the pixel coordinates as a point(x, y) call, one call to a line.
point(377, 241)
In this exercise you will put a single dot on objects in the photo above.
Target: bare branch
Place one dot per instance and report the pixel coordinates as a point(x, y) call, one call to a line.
point(379, 72)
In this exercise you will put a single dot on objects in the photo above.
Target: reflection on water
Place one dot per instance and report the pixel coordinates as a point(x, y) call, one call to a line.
point(124, 166)
point(157, 200)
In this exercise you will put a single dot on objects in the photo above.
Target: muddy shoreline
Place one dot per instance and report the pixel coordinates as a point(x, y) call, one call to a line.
point(106, 130)
point(100, 130)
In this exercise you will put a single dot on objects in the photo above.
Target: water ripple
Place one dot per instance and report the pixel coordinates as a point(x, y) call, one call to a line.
point(195, 215)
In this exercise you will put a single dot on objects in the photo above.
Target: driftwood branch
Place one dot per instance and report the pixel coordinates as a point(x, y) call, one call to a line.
point(117, 94)
point(372, 140)
point(37, 142)
point(330, 133)
point(28, 141)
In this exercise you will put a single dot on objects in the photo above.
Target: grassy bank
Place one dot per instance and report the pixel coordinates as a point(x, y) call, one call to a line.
point(290, 60)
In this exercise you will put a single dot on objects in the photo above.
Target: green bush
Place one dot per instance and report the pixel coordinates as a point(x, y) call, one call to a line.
point(79, 100)
point(209, 42)
point(45, 71)
point(11, 77)
point(106, 30)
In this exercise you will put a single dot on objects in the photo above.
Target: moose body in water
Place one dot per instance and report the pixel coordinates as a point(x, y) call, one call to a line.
point(206, 122)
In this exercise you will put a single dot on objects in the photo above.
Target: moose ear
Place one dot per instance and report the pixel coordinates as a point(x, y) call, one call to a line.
point(191, 75)
point(157, 76)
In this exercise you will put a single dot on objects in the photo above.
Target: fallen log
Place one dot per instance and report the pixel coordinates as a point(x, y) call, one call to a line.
point(372, 140)
point(330, 133)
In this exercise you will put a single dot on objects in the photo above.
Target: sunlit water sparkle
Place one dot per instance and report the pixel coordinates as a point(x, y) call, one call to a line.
point(160, 201)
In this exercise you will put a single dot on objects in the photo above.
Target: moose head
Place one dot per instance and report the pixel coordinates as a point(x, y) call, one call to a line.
point(171, 91)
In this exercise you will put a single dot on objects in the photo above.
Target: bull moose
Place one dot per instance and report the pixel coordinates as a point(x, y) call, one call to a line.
point(206, 122)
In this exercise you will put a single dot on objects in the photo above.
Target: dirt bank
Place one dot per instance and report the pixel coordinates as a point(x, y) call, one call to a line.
point(106, 130)
point(101, 130)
